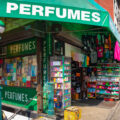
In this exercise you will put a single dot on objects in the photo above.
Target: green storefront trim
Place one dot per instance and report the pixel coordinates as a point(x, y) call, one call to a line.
point(20, 48)
point(19, 97)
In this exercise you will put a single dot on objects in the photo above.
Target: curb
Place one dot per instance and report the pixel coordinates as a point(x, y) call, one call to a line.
point(110, 115)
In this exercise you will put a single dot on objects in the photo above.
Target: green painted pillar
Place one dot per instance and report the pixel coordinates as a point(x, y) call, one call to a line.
point(51, 99)
point(0, 104)
point(47, 52)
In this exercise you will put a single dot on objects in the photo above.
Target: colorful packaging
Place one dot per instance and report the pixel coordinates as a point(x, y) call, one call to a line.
point(72, 113)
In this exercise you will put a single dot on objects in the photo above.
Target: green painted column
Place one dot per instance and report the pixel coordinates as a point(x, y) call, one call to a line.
point(47, 52)
point(0, 104)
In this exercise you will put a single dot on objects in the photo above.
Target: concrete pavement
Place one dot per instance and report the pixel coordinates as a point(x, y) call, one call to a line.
point(116, 113)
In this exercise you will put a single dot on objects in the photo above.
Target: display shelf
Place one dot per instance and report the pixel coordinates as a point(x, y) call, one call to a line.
point(105, 89)
point(67, 65)
point(109, 63)
point(91, 89)
point(67, 94)
point(67, 70)
point(105, 71)
point(92, 92)
point(67, 76)
point(109, 75)
point(67, 100)
point(92, 97)
point(106, 67)
point(107, 94)
point(108, 85)
point(56, 77)
point(61, 76)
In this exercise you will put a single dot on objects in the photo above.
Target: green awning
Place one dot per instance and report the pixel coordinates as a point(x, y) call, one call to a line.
point(77, 11)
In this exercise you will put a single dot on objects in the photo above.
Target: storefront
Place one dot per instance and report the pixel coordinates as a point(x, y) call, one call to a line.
point(19, 73)
point(22, 68)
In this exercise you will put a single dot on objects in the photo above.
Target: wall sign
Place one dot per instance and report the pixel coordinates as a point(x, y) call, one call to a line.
point(19, 96)
point(22, 48)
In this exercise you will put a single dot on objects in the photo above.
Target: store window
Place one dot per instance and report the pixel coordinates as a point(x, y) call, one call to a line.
point(19, 71)
point(58, 47)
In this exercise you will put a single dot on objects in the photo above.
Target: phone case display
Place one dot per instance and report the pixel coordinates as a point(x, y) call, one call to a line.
point(91, 89)
point(20, 72)
point(61, 76)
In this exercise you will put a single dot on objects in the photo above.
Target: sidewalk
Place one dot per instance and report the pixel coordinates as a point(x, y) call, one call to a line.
point(94, 110)
point(97, 110)
point(94, 113)
point(116, 113)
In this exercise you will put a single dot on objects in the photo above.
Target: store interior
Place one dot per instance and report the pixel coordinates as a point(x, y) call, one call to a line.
point(95, 70)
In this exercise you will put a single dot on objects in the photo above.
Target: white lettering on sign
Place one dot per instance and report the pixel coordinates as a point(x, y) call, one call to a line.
point(11, 7)
point(58, 13)
point(20, 97)
point(85, 15)
point(34, 45)
point(74, 15)
point(96, 17)
point(25, 9)
point(37, 9)
point(48, 11)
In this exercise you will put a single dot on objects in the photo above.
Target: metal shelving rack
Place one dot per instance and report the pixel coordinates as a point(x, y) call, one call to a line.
point(60, 69)
point(110, 72)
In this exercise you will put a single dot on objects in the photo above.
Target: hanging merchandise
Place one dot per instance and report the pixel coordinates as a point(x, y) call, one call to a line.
point(99, 39)
point(107, 53)
point(1, 61)
point(103, 39)
point(93, 57)
point(100, 52)
point(85, 61)
point(88, 60)
point(109, 39)
point(106, 43)
point(117, 51)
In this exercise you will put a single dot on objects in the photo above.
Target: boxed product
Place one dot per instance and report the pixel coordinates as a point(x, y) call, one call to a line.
point(72, 113)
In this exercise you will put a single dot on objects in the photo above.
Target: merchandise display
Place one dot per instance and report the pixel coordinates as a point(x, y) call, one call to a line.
point(60, 68)
point(76, 81)
point(108, 90)
point(20, 71)
point(91, 89)
point(108, 80)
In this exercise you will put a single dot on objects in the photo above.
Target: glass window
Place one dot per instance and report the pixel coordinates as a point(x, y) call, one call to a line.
point(20, 71)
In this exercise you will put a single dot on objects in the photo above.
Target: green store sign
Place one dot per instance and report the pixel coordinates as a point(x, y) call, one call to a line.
point(19, 97)
point(38, 10)
point(22, 48)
